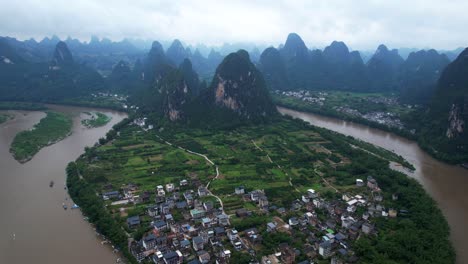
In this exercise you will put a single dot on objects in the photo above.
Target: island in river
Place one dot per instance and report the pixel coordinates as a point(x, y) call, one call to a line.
point(95, 119)
point(44, 232)
point(50, 129)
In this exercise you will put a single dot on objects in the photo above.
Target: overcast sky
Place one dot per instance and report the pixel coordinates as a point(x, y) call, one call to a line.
point(362, 24)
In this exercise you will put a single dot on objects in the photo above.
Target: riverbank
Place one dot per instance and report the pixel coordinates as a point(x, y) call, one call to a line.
point(5, 117)
point(51, 129)
point(27, 106)
point(296, 104)
point(25, 194)
point(444, 182)
point(136, 167)
point(299, 105)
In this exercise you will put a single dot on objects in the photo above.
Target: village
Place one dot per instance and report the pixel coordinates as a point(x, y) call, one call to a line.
point(186, 227)
point(322, 100)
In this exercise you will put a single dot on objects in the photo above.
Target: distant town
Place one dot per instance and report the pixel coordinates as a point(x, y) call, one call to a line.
point(319, 99)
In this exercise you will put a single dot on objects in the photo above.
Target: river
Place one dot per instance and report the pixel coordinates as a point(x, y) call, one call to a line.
point(45, 233)
point(444, 182)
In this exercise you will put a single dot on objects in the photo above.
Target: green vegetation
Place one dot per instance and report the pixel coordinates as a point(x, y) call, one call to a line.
point(99, 101)
point(54, 127)
point(92, 206)
point(22, 106)
point(417, 124)
point(337, 104)
point(4, 117)
point(284, 157)
point(95, 119)
point(444, 125)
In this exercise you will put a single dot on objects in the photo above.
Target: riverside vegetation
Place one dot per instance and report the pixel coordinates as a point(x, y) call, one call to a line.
point(377, 110)
point(284, 157)
point(22, 106)
point(50, 129)
point(95, 119)
point(4, 118)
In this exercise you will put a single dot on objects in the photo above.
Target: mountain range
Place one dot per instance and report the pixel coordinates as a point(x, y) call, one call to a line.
point(445, 124)
point(184, 86)
point(295, 67)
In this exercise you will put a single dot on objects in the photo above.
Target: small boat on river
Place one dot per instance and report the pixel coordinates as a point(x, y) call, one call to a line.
point(64, 206)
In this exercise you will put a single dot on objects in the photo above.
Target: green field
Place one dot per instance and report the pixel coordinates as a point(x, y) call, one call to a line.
point(52, 128)
point(95, 119)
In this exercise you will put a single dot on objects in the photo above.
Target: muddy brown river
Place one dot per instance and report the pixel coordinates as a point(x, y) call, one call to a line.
point(34, 228)
point(446, 183)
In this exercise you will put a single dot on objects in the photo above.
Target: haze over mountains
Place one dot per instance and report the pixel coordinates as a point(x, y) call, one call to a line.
point(184, 85)
point(104, 53)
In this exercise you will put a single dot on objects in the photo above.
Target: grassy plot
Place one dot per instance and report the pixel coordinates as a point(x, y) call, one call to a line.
point(51, 129)
point(95, 119)
point(140, 158)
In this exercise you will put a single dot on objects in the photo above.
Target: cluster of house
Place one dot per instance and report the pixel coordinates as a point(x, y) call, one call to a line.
point(142, 123)
point(306, 96)
point(330, 226)
point(117, 97)
point(186, 228)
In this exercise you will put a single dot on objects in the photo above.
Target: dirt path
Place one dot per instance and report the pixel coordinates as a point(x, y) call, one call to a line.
point(209, 161)
point(325, 181)
point(277, 165)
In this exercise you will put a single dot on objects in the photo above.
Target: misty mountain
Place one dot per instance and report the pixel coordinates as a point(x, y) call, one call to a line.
point(238, 86)
point(190, 76)
point(419, 74)
point(383, 69)
point(62, 55)
point(274, 70)
point(177, 53)
point(156, 64)
point(445, 127)
point(58, 79)
point(345, 70)
point(334, 68)
point(297, 62)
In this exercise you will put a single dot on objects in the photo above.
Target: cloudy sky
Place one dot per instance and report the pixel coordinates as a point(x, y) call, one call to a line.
point(362, 24)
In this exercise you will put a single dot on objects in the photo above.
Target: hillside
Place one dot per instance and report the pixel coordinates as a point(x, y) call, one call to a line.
point(445, 123)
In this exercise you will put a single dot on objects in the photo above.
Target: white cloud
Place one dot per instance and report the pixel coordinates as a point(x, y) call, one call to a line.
point(361, 24)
